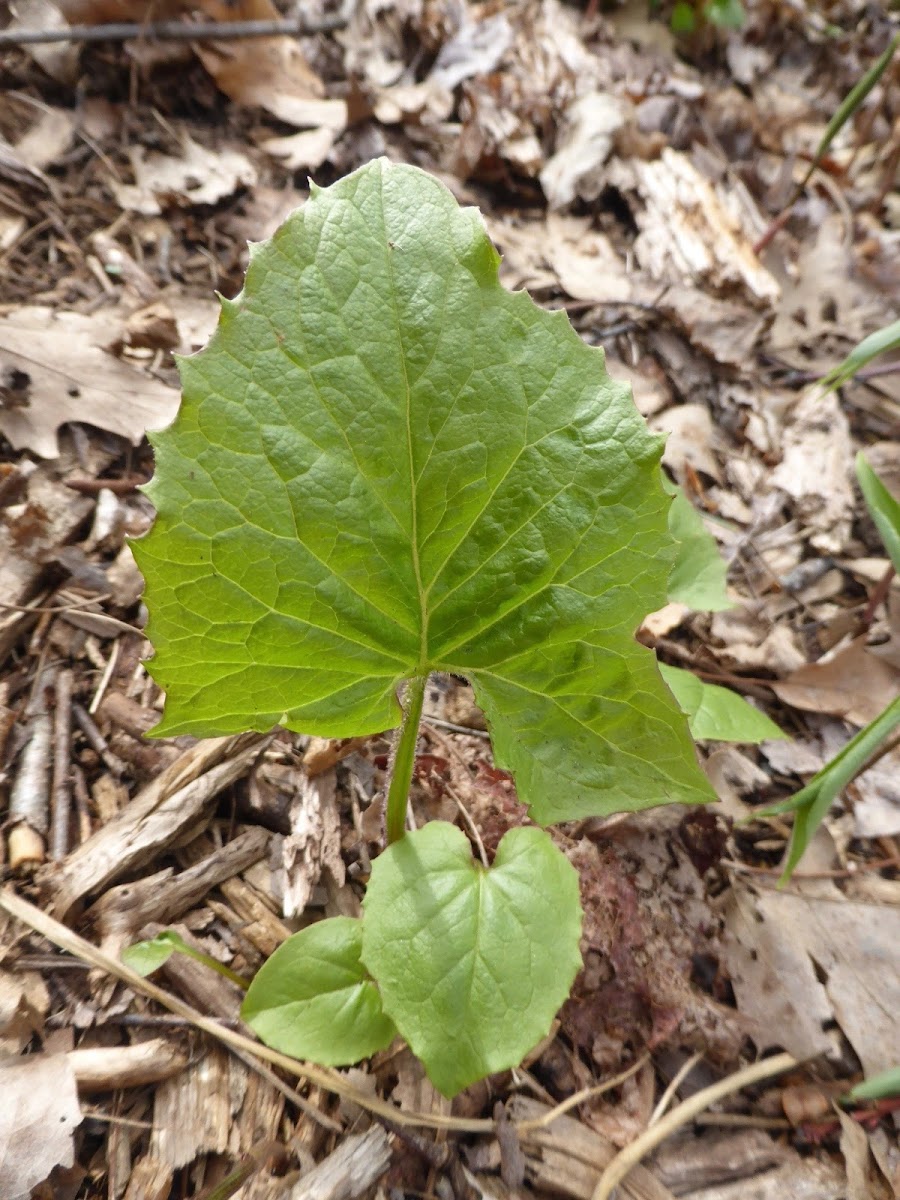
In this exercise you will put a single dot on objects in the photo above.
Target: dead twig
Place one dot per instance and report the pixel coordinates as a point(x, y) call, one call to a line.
point(628, 1158)
point(172, 31)
point(61, 788)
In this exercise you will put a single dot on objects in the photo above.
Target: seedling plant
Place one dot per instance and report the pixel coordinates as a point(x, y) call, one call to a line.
point(386, 465)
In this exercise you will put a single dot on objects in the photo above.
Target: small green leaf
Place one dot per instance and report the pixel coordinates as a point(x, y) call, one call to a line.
point(880, 1087)
point(716, 714)
point(472, 963)
point(314, 999)
point(884, 509)
point(384, 465)
point(698, 574)
point(684, 18)
point(727, 14)
point(147, 957)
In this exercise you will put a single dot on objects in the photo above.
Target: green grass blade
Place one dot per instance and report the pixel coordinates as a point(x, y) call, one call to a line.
point(879, 342)
point(812, 802)
point(880, 1087)
point(884, 508)
point(848, 107)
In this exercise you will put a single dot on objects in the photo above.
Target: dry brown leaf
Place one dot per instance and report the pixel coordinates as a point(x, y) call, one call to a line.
point(587, 265)
point(824, 293)
point(38, 1116)
point(854, 684)
point(24, 1003)
point(748, 639)
point(269, 73)
point(577, 169)
point(690, 440)
point(816, 469)
point(92, 386)
point(864, 1180)
point(798, 964)
point(58, 59)
point(876, 808)
point(475, 49)
point(49, 137)
point(327, 120)
point(196, 176)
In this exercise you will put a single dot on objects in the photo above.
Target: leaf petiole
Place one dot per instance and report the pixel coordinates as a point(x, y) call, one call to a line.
point(404, 759)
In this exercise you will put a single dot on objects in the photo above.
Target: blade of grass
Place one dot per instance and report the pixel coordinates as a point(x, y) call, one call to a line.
point(812, 802)
point(879, 342)
point(847, 108)
point(884, 508)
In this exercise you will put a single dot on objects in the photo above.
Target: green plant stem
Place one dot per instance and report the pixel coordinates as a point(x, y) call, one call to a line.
point(213, 964)
point(404, 759)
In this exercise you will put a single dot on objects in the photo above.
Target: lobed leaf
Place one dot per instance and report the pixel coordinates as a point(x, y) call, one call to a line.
point(472, 964)
point(314, 999)
point(386, 465)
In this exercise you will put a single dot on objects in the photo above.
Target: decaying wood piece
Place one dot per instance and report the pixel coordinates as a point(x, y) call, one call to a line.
point(690, 1163)
point(29, 801)
point(260, 925)
point(686, 231)
point(105, 1068)
point(216, 1106)
point(150, 1180)
point(192, 1112)
point(354, 1166)
point(159, 816)
point(566, 1158)
point(314, 842)
point(123, 910)
point(61, 791)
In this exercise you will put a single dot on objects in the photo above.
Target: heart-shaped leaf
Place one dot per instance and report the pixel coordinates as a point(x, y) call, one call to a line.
point(385, 465)
point(472, 964)
point(314, 999)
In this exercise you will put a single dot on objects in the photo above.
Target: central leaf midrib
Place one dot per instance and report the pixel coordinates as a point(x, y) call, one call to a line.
point(422, 667)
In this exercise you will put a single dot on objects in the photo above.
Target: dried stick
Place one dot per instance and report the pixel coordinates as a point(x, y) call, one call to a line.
point(172, 31)
point(628, 1158)
point(61, 791)
point(331, 1081)
point(29, 800)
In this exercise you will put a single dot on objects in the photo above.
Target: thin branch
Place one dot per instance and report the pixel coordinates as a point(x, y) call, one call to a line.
point(629, 1158)
point(61, 788)
point(172, 31)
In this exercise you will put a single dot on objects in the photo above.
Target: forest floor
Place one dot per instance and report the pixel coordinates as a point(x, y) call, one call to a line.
point(627, 175)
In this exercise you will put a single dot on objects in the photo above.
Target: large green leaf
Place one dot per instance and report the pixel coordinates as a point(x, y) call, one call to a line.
point(314, 999)
point(385, 464)
point(472, 963)
point(716, 714)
